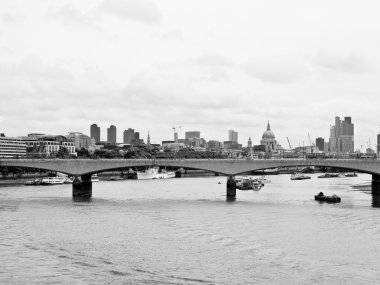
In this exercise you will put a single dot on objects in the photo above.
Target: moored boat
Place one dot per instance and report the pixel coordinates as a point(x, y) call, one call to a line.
point(299, 176)
point(36, 181)
point(331, 199)
point(150, 173)
point(164, 174)
point(350, 174)
point(52, 180)
point(94, 178)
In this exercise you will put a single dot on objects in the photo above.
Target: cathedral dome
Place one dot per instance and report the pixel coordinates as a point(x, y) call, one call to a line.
point(268, 134)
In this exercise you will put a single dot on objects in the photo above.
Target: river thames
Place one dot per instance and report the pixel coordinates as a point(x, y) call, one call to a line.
point(183, 231)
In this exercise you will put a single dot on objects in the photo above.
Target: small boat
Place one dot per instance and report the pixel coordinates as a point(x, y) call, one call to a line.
point(94, 178)
point(263, 179)
point(147, 174)
point(299, 176)
point(350, 174)
point(331, 199)
point(36, 181)
point(329, 175)
point(164, 174)
point(246, 184)
point(52, 180)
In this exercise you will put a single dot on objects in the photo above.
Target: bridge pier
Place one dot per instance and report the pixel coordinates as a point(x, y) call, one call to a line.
point(375, 184)
point(82, 187)
point(231, 186)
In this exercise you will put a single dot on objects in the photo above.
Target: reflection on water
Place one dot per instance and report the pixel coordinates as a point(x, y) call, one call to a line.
point(376, 201)
point(80, 199)
point(182, 231)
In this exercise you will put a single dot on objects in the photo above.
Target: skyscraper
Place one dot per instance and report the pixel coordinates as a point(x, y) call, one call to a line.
point(320, 143)
point(192, 134)
point(129, 136)
point(95, 132)
point(342, 136)
point(233, 136)
point(111, 135)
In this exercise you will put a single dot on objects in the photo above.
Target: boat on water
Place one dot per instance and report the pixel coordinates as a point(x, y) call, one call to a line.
point(36, 181)
point(330, 175)
point(52, 180)
point(331, 199)
point(94, 178)
point(299, 176)
point(164, 174)
point(147, 174)
point(350, 174)
point(263, 179)
point(270, 171)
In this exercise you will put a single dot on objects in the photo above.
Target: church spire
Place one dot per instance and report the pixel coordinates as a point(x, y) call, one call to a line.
point(268, 126)
point(148, 139)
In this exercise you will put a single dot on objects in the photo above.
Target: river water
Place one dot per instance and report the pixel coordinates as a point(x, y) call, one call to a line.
point(183, 231)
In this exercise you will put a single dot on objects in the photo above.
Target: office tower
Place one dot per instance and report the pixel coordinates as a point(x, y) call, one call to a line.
point(111, 135)
point(320, 143)
point(192, 134)
point(95, 132)
point(342, 136)
point(129, 136)
point(137, 135)
point(232, 136)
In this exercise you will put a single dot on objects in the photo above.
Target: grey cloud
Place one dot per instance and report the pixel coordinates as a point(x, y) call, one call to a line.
point(33, 67)
point(144, 11)
point(70, 15)
point(344, 62)
point(173, 35)
point(280, 70)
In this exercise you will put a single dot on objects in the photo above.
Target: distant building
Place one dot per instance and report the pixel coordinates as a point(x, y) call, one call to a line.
point(111, 135)
point(129, 136)
point(378, 144)
point(214, 145)
point(320, 143)
point(269, 141)
point(11, 147)
point(148, 139)
point(232, 145)
point(95, 132)
point(81, 140)
point(49, 144)
point(232, 136)
point(192, 134)
point(342, 136)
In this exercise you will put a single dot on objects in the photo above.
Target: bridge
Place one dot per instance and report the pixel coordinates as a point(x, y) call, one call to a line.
point(82, 169)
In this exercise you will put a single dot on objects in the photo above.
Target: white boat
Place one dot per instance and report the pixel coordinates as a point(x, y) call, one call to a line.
point(164, 174)
point(150, 173)
point(68, 180)
point(299, 176)
point(52, 180)
point(264, 179)
point(94, 178)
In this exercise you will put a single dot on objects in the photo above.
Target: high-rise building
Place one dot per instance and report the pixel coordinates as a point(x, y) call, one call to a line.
point(320, 143)
point(95, 132)
point(129, 136)
point(192, 134)
point(80, 140)
point(342, 136)
point(232, 136)
point(111, 135)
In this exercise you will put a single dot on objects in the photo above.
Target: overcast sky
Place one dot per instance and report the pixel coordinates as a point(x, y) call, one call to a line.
point(203, 65)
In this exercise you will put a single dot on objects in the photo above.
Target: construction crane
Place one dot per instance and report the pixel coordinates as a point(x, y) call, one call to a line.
point(289, 144)
point(174, 128)
point(311, 144)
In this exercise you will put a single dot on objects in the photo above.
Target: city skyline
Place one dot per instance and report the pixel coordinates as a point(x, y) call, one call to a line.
point(146, 63)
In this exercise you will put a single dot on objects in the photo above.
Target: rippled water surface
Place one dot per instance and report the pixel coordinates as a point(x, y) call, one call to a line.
point(183, 231)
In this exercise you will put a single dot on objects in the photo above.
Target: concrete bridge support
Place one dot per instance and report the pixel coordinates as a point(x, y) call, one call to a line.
point(231, 186)
point(376, 184)
point(82, 187)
